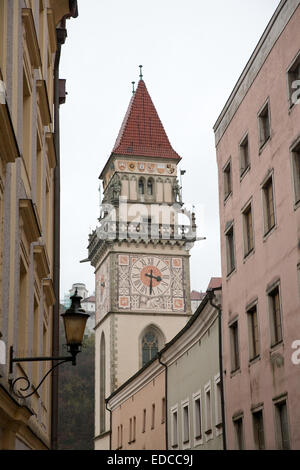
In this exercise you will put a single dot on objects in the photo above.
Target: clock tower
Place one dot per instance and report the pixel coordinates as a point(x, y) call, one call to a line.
point(140, 252)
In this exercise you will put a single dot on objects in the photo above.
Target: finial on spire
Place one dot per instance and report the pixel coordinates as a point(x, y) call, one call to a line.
point(133, 90)
point(141, 75)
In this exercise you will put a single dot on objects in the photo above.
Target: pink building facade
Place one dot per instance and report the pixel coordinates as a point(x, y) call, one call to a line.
point(258, 154)
point(138, 411)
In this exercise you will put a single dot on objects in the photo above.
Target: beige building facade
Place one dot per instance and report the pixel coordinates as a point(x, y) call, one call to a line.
point(258, 154)
point(29, 235)
point(194, 403)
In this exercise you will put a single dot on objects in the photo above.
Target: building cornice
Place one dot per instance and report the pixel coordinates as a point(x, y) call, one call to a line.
point(135, 383)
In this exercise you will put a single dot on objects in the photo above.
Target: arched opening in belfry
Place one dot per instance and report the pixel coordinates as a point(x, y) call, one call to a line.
point(151, 341)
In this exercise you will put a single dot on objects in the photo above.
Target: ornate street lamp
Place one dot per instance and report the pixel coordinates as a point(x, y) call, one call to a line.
point(75, 320)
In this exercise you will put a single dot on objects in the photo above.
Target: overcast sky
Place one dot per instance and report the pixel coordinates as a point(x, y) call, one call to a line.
point(192, 53)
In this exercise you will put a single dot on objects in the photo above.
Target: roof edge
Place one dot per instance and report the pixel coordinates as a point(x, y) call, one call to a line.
point(272, 32)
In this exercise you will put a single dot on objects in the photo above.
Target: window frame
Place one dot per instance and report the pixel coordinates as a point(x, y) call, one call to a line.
point(227, 180)
point(295, 167)
point(173, 412)
point(268, 228)
point(185, 427)
point(235, 357)
point(254, 352)
point(273, 327)
point(256, 432)
point(208, 431)
point(153, 416)
point(248, 207)
point(218, 404)
point(230, 249)
point(263, 140)
point(198, 437)
point(277, 421)
point(244, 163)
point(239, 439)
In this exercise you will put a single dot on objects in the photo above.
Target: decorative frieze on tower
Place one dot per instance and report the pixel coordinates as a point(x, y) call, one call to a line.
point(140, 252)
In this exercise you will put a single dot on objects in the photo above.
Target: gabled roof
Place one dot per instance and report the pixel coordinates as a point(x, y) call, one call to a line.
point(215, 283)
point(142, 133)
point(195, 295)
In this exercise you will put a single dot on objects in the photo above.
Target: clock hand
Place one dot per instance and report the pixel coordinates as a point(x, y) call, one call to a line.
point(151, 278)
point(158, 279)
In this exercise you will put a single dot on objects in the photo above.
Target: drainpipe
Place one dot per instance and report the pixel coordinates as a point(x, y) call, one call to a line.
point(211, 295)
point(61, 34)
point(166, 399)
point(110, 424)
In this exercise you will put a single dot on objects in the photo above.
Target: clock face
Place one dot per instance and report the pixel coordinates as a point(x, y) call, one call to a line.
point(150, 283)
point(150, 276)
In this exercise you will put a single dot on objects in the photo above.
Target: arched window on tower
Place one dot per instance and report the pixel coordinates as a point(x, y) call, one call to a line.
point(141, 186)
point(102, 383)
point(152, 340)
point(150, 187)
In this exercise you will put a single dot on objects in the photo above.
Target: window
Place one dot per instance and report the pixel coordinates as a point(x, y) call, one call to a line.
point(130, 431)
point(253, 332)
point(268, 205)
point(296, 170)
point(120, 436)
point(141, 186)
point(234, 341)
point(230, 250)
point(185, 423)
point(174, 427)
point(244, 155)
point(227, 180)
point(258, 429)
point(208, 410)
point(197, 417)
point(248, 230)
point(150, 187)
point(144, 421)
point(153, 416)
point(218, 403)
point(275, 316)
point(134, 429)
point(149, 347)
point(282, 426)
point(239, 433)
point(293, 77)
point(264, 125)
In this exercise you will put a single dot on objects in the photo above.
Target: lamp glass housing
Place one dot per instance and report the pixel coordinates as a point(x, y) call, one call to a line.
point(75, 320)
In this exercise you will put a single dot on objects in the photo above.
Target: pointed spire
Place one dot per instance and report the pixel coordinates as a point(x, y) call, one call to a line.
point(141, 74)
point(142, 133)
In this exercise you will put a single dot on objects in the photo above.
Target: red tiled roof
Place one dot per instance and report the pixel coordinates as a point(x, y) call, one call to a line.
point(195, 295)
point(215, 283)
point(142, 133)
